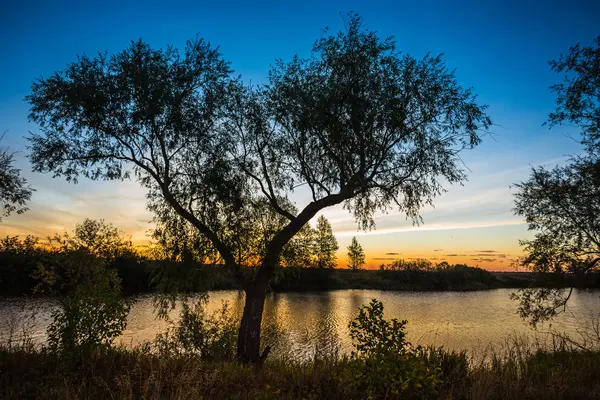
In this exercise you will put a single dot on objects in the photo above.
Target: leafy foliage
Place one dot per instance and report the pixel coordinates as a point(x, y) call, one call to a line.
point(325, 244)
point(96, 237)
point(14, 190)
point(356, 255)
point(92, 312)
point(412, 265)
point(359, 118)
point(210, 337)
point(563, 204)
point(578, 96)
point(387, 364)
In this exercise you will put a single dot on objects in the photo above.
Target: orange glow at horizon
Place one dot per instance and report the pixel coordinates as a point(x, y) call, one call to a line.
point(491, 262)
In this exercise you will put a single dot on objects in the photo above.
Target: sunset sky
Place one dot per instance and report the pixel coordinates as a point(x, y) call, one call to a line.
point(500, 48)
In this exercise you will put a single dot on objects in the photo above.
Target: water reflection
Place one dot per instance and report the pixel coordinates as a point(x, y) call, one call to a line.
point(305, 324)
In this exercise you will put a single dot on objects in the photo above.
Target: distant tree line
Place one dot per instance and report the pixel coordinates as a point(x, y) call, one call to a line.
point(166, 265)
point(28, 264)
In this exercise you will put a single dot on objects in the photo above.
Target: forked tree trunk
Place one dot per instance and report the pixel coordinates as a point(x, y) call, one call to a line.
point(248, 348)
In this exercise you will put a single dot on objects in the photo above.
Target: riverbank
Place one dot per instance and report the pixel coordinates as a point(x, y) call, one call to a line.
point(18, 272)
point(454, 278)
point(135, 374)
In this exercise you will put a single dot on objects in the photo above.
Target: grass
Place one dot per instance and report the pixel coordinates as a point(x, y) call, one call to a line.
point(516, 372)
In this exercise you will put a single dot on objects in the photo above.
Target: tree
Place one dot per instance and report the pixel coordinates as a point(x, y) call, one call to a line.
point(96, 237)
point(357, 124)
point(563, 204)
point(563, 207)
point(14, 190)
point(356, 255)
point(325, 244)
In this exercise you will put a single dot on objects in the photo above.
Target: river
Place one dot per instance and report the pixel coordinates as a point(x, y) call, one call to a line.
point(472, 321)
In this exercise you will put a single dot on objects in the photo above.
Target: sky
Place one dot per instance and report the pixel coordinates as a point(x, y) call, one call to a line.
point(500, 48)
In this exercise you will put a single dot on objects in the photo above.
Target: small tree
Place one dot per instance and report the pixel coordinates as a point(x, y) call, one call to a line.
point(325, 244)
point(14, 190)
point(563, 204)
point(357, 124)
point(356, 255)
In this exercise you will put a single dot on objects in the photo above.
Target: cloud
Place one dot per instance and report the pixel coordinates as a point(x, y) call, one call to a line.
point(437, 249)
point(431, 227)
point(384, 258)
point(455, 255)
point(486, 251)
point(483, 259)
point(392, 254)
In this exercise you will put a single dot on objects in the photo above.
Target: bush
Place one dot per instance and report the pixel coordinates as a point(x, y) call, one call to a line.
point(92, 312)
point(386, 364)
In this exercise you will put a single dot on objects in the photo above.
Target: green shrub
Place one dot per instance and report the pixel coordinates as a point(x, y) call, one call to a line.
point(92, 312)
point(386, 364)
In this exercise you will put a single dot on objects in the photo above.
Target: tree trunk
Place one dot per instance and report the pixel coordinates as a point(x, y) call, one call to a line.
point(248, 345)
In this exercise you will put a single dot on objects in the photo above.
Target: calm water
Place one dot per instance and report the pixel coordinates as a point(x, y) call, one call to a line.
point(309, 321)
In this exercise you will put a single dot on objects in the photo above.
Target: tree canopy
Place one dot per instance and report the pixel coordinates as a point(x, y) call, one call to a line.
point(578, 96)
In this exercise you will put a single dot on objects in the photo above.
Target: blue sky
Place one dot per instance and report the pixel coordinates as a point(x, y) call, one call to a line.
point(501, 48)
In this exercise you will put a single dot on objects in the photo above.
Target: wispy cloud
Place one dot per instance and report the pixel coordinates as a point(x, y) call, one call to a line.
point(433, 227)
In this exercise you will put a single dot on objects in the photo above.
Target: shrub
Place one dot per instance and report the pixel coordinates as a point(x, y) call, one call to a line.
point(386, 364)
point(92, 312)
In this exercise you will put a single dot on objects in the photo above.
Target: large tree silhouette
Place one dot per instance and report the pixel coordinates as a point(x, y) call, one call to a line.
point(357, 124)
point(563, 204)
